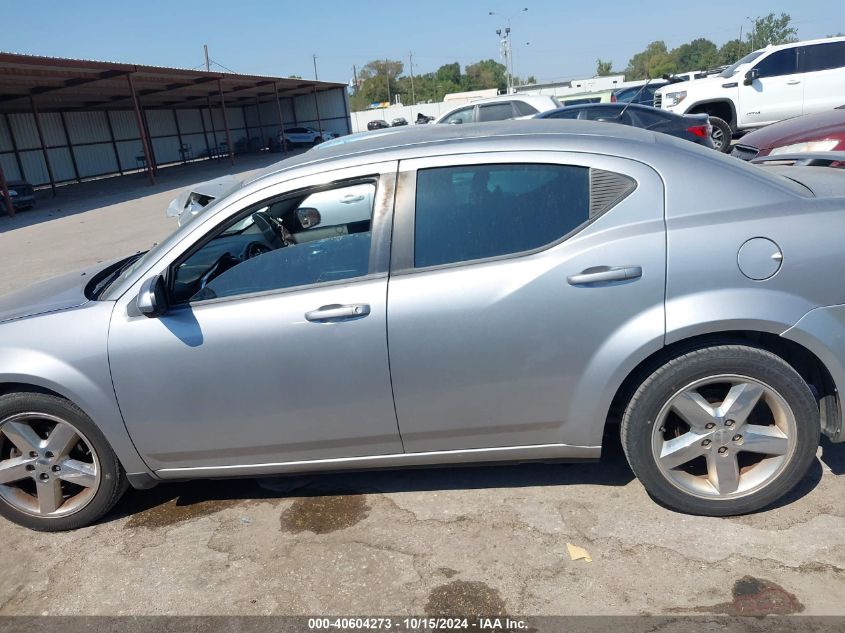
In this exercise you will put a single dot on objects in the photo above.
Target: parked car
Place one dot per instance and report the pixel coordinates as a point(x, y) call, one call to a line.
point(306, 136)
point(399, 121)
point(765, 86)
point(499, 109)
point(21, 194)
point(542, 283)
point(691, 127)
point(643, 95)
point(821, 132)
point(377, 124)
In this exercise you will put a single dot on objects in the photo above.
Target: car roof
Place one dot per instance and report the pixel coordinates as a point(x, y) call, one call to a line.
point(431, 140)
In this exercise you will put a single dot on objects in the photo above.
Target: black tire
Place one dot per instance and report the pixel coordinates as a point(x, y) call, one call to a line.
point(721, 130)
point(318, 140)
point(113, 482)
point(651, 396)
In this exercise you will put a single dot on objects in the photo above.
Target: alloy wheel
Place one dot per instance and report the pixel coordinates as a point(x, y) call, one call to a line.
point(718, 138)
point(48, 468)
point(724, 436)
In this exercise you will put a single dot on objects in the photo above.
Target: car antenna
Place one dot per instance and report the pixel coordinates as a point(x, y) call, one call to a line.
point(643, 87)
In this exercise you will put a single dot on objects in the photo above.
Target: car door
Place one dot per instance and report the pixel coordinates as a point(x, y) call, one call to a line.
point(823, 66)
point(776, 93)
point(280, 353)
point(513, 275)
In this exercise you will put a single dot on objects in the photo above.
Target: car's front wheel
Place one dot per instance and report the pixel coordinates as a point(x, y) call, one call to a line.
point(57, 471)
point(721, 430)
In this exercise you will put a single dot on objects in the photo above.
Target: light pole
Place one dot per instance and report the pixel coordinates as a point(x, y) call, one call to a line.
point(753, 28)
point(505, 44)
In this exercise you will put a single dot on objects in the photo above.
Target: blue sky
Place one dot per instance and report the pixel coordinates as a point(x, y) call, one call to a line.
point(278, 38)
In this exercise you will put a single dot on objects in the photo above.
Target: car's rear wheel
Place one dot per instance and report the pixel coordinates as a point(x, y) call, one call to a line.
point(57, 471)
point(318, 140)
point(722, 430)
point(721, 135)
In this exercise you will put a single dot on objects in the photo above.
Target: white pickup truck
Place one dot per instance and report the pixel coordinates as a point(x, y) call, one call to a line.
point(768, 85)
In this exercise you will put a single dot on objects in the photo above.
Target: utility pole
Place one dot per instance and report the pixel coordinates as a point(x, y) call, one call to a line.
point(505, 45)
point(315, 67)
point(207, 62)
point(355, 79)
point(411, 62)
point(387, 76)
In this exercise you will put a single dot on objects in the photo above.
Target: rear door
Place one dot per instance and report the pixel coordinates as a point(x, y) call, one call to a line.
point(823, 66)
point(512, 276)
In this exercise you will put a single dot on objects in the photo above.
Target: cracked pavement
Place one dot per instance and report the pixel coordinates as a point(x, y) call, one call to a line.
point(488, 539)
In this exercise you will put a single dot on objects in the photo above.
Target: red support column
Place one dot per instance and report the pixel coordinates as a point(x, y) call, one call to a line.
point(141, 130)
point(317, 107)
point(281, 119)
point(226, 121)
point(43, 145)
point(10, 210)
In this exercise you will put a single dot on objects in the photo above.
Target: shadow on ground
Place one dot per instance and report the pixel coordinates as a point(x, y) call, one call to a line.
point(208, 496)
point(175, 502)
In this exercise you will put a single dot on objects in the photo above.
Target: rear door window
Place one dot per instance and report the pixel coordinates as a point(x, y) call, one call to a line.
point(479, 211)
point(524, 109)
point(822, 57)
point(495, 111)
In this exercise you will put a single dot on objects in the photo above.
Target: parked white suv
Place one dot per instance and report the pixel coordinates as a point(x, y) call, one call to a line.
point(768, 85)
point(499, 108)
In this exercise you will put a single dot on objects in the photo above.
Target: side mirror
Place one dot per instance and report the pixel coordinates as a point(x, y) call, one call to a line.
point(308, 217)
point(152, 299)
point(750, 76)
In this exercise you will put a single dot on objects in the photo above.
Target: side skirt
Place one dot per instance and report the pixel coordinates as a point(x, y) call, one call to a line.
point(399, 460)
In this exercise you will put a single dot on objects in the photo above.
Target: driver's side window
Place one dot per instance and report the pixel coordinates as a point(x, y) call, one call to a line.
point(316, 236)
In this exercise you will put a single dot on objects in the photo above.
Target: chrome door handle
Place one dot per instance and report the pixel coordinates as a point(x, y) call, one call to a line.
point(793, 82)
point(336, 311)
point(601, 274)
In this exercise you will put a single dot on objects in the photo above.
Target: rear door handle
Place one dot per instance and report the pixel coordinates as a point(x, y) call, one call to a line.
point(601, 274)
point(335, 312)
point(793, 82)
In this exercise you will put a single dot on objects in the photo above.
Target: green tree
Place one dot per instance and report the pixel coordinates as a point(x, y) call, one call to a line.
point(654, 61)
point(377, 77)
point(771, 29)
point(485, 74)
point(450, 73)
point(603, 68)
point(733, 50)
point(699, 54)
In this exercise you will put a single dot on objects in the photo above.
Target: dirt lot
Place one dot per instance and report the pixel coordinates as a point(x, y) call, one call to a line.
point(487, 539)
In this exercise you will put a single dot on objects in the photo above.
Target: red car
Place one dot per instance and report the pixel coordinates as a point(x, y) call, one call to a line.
point(821, 132)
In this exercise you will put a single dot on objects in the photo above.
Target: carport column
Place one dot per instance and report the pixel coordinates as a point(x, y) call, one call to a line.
point(281, 119)
point(141, 130)
point(317, 107)
point(226, 121)
point(260, 126)
point(10, 210)
point(43, 146)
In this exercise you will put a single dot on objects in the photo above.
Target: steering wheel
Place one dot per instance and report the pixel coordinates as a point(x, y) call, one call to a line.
point(254, 249)
point(274, 231)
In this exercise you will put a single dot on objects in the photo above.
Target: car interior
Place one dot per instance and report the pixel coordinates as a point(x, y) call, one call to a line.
point(305, 239)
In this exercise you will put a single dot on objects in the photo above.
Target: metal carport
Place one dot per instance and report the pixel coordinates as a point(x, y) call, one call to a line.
point(67, 120)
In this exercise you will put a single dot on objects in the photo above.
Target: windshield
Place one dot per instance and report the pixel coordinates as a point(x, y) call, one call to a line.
point(731, 70)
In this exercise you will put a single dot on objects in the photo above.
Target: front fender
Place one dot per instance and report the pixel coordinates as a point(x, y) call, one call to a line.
point(66, 352)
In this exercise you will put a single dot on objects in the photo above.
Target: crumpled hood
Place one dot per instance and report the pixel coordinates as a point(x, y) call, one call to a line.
point(59, 293)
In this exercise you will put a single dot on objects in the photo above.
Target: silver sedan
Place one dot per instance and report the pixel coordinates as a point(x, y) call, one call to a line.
point(446, 294)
